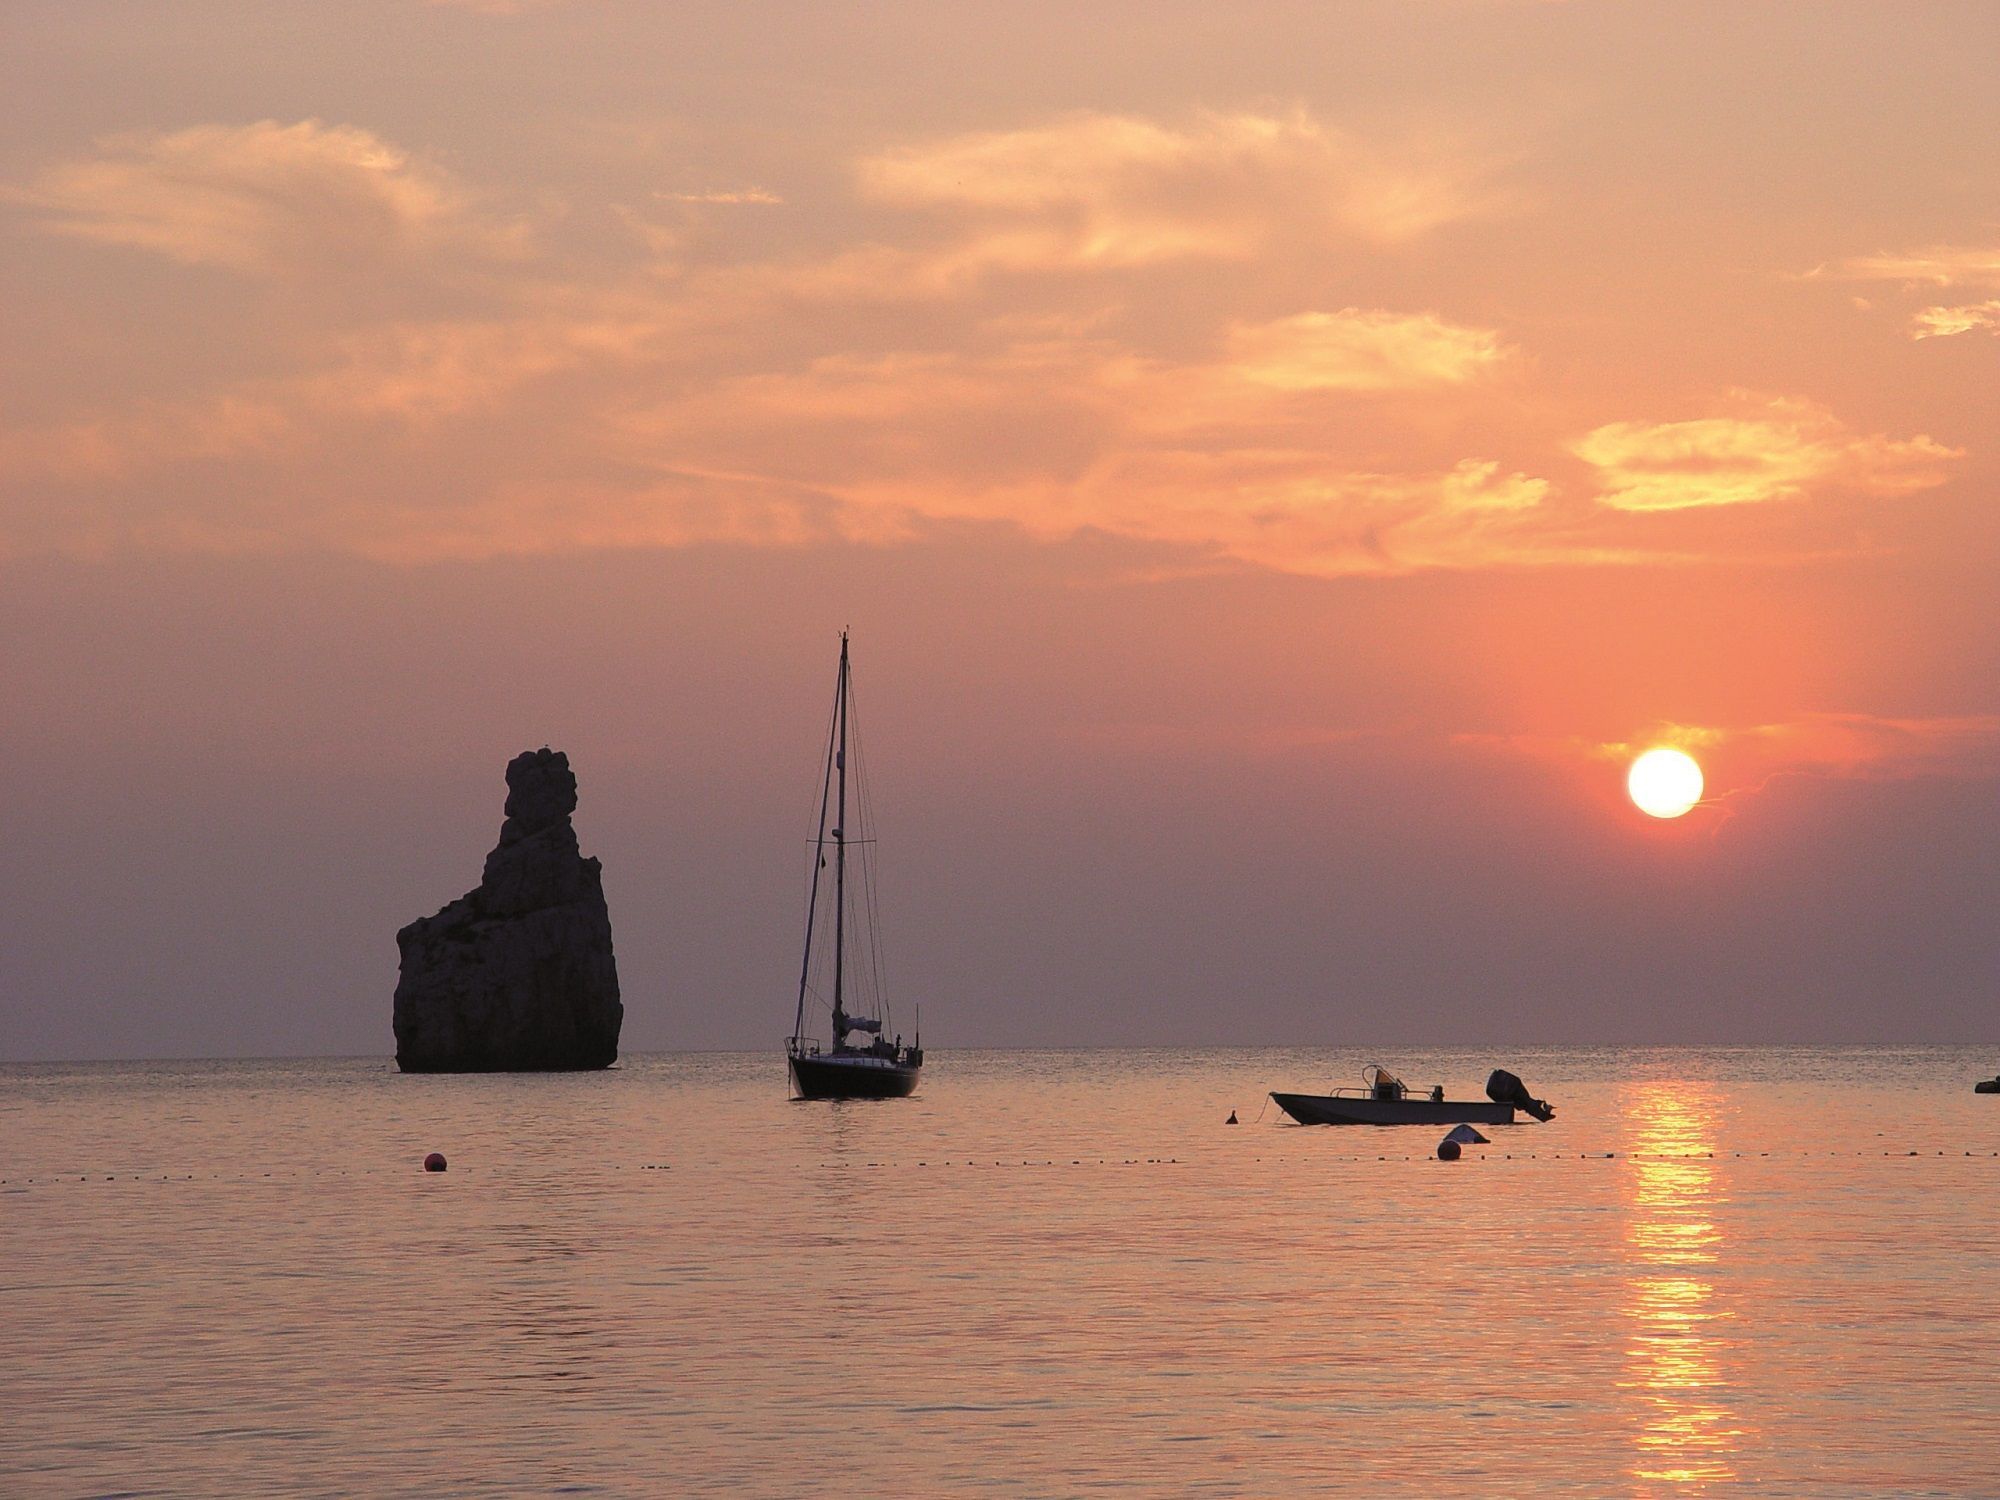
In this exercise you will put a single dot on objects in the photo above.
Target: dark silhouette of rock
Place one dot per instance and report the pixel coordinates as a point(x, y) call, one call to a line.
point(517, 975)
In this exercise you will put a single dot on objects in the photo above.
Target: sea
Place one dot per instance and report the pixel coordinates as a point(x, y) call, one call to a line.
point(1766, 1270)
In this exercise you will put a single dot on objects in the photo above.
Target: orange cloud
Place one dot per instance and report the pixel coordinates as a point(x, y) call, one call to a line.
point(265, 198)
point(1290, 511)
point(1840, 745)
point(414, 375)
point(1228, 458)
point(540, 517)
point(1944, 322)
point(150, 433)
point(1871, 746)
point(1296, 511)
point(1941, 265)
point(1094, 191)
point(749, 195)
point(1783, 451)
point(676, 400)
point(1030, 432)
point(1356, 350)
point(1064, 436)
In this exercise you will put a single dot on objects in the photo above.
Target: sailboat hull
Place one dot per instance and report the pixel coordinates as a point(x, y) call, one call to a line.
point(852, 1078)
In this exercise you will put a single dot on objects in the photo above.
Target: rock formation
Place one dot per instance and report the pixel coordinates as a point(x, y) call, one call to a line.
point(516, 975)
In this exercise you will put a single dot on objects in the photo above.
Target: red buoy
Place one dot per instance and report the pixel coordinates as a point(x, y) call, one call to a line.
point(434, 1162)
point(1448, 1150)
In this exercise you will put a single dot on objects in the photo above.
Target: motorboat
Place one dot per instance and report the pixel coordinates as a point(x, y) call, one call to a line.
point(1384, 1099)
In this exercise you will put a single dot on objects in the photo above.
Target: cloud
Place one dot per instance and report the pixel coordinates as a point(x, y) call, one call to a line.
point(544, 516)
point(1294, 512)
point(1102, 191)
point(141, 436)
point(748, 195)
point(1230, 457)
point(1743, 759)
point(1943, 322)
point(265, 198)
point(1357, 350)
point(1941, 265)
point(1065, 436)
point(1299, 511)
point(1867, 745)
point(1783, 451)
point(414, 376)
point(1971, 266)
point(871, 389)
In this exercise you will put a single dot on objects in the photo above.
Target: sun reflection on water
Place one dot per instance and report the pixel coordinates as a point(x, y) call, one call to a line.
point(1678, 1329)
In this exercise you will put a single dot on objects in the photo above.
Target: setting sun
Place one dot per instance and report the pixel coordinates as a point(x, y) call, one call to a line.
point(1664, 783)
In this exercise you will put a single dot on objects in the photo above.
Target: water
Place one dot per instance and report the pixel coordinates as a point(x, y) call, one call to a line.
point(1049, 1273)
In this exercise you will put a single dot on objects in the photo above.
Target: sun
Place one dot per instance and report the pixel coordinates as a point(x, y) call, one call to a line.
point(1664, 783)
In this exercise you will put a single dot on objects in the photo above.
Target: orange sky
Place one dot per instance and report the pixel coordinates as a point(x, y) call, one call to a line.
point(1278, 463)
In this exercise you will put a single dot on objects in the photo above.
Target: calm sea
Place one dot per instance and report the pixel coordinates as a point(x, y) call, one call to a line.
point(1050, 1273)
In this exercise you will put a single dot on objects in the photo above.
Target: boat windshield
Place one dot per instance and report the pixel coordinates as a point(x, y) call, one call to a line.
point(1382, 1083)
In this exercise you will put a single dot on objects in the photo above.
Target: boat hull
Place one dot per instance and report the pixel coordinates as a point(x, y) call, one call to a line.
point(1335, 1109)
point(852, 1078)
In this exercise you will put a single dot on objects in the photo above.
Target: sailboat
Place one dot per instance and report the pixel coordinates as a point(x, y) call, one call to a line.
point(864, 1062)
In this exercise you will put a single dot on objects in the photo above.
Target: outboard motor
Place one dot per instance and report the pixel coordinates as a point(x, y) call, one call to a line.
point(1503, 1087)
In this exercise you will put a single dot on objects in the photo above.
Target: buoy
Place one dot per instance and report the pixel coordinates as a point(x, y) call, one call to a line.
point(1448, 1149)
point(1232, 1118)
point(434, 1162)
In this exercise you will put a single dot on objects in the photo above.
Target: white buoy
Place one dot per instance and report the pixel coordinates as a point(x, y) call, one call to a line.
point(1456, 1140)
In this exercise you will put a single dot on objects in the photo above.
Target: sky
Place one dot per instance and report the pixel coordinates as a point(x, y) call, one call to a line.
point(1279, 463)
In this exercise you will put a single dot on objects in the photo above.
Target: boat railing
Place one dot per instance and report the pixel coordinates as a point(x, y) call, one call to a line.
point(1371, 1091)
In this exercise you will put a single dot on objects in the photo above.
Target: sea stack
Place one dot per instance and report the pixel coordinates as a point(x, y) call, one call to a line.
point(517, 975)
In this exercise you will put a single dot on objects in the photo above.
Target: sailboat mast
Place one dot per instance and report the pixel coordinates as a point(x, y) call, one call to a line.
point(819, 862)
point(840, 854)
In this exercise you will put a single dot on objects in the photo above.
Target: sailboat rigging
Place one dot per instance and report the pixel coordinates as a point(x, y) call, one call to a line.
point(879, 1067)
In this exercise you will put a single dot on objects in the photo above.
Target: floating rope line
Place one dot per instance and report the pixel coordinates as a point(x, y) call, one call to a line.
point(63, 1179)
